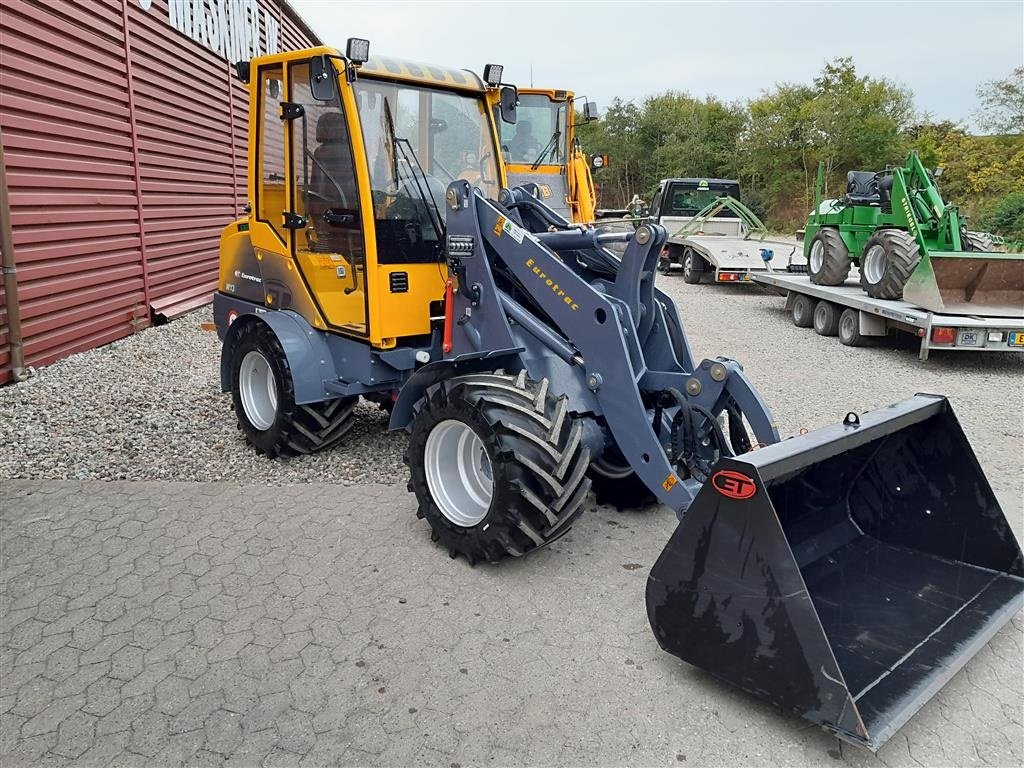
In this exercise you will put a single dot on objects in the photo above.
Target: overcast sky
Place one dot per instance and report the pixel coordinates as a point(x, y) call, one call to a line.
point(733, 50)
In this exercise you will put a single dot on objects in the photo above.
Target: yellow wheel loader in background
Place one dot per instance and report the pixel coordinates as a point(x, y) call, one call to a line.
point(844, 574)
point(541, 148)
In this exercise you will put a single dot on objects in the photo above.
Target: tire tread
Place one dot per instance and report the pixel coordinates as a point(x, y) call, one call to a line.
point(541, 449)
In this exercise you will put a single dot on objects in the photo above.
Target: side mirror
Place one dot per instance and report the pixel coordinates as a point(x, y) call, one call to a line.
point(323, 79)
point(242, 70)
point(508, 104)
point(590, 110)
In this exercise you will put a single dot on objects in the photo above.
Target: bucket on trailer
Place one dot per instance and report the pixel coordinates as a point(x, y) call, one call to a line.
point(845, 574)
point(969, 283)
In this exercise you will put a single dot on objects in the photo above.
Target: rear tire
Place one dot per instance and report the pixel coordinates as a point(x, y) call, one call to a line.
point(615, 484)
point(826, 319)
point(889, 259)
point(828, 261)
point(263, 396)
point(802, 311)
point(849, 329)
point(693, 267)
point(532, 481)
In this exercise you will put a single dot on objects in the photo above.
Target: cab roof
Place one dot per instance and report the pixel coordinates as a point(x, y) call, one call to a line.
point(389, 68)
point(698, 180)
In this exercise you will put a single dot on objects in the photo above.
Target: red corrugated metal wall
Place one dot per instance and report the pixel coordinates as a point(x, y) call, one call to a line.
point(120, 177)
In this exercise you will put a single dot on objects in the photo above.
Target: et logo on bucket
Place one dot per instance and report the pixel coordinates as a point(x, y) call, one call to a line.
point(733, 485)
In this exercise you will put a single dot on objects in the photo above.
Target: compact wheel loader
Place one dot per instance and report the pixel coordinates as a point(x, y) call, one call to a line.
point(909, 244)
point(844, 574)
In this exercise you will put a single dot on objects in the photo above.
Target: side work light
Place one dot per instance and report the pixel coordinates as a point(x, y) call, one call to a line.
point(492, 74)
point(357, 50)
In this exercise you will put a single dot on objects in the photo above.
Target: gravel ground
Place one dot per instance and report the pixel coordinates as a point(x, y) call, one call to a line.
point(149, 407)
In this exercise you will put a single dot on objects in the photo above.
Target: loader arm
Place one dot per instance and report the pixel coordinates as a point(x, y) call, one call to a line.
point(604, 327)
point(582, 196)
point(920, 189)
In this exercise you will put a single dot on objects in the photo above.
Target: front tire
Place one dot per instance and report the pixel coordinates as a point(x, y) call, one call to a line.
point(979, 242)
point(828, 262)
point(889, 259)
point(263, 396)
point(497, 465)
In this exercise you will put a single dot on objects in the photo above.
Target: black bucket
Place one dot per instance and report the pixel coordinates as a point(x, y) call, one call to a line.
point(845, 574)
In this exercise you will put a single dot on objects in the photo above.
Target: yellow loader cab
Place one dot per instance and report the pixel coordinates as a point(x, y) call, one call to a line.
point(349, 162)
point(541, 148)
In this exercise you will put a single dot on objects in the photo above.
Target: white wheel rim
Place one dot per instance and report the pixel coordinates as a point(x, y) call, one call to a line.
point(688, 264)
point(258, 390)
point(458, 472)
point(817, 256)
point(874, 264)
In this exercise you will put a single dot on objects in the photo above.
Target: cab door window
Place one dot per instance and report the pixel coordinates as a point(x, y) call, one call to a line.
point(330, 247)
point(270, 191)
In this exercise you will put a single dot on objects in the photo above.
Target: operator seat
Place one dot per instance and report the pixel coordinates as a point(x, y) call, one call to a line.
point(331, 174)
point(862, 188)
point(885, 193)
point(332, 184)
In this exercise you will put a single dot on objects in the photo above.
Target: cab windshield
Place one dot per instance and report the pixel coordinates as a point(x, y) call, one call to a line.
point(691, 201)
point(417, 141)
point(539, 136)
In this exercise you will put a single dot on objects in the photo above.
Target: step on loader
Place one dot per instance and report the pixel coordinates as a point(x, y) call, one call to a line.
point(844, 574)
point(909, 243)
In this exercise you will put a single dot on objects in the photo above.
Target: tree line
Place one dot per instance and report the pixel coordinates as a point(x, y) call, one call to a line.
point(773, 144)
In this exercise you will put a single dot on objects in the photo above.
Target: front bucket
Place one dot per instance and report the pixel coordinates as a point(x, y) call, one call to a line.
point(968, 283)
point(845, 574)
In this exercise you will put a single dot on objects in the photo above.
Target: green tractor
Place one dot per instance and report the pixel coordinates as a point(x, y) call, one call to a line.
point(910, 244)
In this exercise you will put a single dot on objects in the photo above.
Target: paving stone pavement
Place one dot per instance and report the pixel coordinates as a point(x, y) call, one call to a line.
point(164, 624)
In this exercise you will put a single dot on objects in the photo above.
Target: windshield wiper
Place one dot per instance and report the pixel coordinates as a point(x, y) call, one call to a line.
point(397, 147)
point(550, 147)
point(432, 210)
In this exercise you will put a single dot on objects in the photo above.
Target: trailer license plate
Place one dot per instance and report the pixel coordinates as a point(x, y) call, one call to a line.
point(968, 339)
point(1017, 339)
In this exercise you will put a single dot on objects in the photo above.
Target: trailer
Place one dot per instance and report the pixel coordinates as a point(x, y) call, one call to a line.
point(713, 234)
point(847, 312)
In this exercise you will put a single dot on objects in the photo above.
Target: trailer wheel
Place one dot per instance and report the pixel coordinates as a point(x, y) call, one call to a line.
point(889, 258)
point(828, 262)
point(802, 311)
point(497, 464)
point(826, 318)
point(263, 397)
point(849, 329)
point(615, 483)
point(693, 266)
